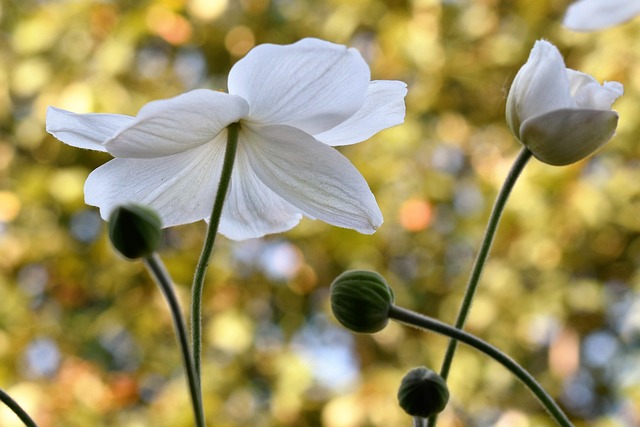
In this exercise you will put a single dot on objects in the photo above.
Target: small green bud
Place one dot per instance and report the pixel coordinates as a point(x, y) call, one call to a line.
point(423, 393)
point(361, 300)
point(135, 231)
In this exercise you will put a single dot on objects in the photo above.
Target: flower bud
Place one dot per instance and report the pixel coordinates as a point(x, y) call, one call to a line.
point(135, 231)
point(361, 300)
point(423, 393)
point(560, 115)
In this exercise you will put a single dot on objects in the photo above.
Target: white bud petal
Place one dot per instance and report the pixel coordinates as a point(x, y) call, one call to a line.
point(566, 136)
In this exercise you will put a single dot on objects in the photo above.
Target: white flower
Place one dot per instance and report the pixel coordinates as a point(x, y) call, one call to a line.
point(590, 15)
point(561, 115)
point(293, 103)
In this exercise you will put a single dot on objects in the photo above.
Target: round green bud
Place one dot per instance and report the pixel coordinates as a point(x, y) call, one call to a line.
point(423, 393)
point(361, 300)
point(135, 231)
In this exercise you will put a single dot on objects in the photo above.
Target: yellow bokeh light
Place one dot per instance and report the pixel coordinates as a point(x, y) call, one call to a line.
point(67, 185)
point(343, 412)
point(513, 419)
point(35, 35)
point(483, 314)
point(30, 75)
point(9, 206)
point(77, 97)
point(230, 331)
point(207, 10)
point(239, 40)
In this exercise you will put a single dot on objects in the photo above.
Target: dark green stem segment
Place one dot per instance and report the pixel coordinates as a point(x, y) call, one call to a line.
point(481, 259)
point(426, 323)
point(161, 276)
point(17, 409)
point(207, 247)
point(518, 166)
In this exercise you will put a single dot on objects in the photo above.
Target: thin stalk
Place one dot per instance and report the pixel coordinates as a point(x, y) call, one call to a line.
point(426, 323)
point(483, 253)
point(17, 409)
point(207, 247)
point(419, 422)
point(161, 276)
point(481, 258)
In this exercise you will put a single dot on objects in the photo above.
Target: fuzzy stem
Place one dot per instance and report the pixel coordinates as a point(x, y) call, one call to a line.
point(207, 248)
point(161, 276)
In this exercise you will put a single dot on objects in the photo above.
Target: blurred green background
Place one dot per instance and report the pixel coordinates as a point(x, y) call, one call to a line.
point(86, 340)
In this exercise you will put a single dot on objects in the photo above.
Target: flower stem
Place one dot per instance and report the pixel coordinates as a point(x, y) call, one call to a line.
point(481, 258)
point(17, 409)
point(207, 247)
point(161, 276)
point(426, 323)
point(419, 422)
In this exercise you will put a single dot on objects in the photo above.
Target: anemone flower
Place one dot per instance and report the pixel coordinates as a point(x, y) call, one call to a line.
point(293, 104)
point(591, 15)
point(559, 114)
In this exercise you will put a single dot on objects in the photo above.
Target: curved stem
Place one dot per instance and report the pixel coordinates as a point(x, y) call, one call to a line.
point(159, 273)
point(483, 253)
point(426, 323)
point(210, 238)
point(481, 258)
point(17, 409)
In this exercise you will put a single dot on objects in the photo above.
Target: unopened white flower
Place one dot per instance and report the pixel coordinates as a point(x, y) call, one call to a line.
point(591, 15)
point(292, 103)
point(559, 114)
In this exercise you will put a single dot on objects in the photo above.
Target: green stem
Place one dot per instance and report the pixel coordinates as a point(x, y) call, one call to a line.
point(481, 259)
point(207, 247)
point(426, 323)
point(161, 276)
point(17, 409)
point(483, 253)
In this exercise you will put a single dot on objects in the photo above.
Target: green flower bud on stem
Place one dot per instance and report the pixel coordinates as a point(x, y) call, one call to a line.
point(423, 393)
point(135, 231)
point(361, 300)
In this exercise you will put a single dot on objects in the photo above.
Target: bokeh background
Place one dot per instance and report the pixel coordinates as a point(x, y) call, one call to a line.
point(86, 340)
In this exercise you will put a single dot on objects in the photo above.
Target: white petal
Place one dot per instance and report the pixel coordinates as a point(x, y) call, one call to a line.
point(589, 94)
point(541, 85)
point(181, 188)
point(170, 126)
point(88, 131)
point(383, 108)
point(566, 136)
point(590, 15)
point(313, 85)
point(312, 176)
point(251, 209)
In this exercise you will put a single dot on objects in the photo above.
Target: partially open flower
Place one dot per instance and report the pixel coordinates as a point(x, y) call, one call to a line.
point(561, 115)
point(135, 231)
point(361, 300)
point(423, 393)
point(591, 15)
